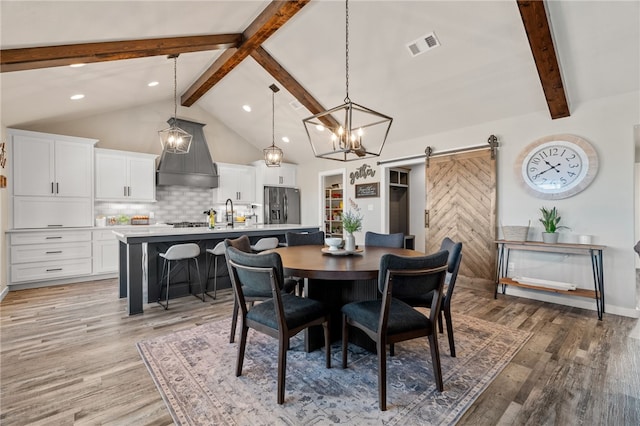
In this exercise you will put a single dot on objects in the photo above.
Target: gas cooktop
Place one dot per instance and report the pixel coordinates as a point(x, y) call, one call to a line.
point(188, 224)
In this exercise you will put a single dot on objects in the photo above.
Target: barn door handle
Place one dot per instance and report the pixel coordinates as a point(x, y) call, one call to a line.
point(426, 218)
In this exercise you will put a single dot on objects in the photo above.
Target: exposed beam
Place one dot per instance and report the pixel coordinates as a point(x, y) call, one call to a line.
point(54, 56)
point(276, 70)
point(534, 18)
point(274, 16)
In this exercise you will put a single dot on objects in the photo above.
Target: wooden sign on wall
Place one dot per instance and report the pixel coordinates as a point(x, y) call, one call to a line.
point(368, 190)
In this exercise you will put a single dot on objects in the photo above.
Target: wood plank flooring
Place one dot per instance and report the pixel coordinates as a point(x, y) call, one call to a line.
point(68, 356)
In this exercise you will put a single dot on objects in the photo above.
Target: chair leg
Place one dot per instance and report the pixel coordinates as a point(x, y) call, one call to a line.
point(345, 340)
point(282, 367)
point(382, 375)
point(392, 349)
point(234, 321)
point(199, 278)
point(440, 322)
point(243, 344)
point(435, 361)
point(166, 306)
point(215, 276)
point(164, 267)
point(327, 342)
point(452, 345)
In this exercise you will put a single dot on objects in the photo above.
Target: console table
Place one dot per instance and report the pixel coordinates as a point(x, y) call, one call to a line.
point(594, 251)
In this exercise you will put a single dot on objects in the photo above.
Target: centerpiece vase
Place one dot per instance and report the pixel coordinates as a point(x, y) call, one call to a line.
point(350, 242)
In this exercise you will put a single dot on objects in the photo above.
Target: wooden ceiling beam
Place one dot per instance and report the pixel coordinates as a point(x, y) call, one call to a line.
point(276, 70)
point(534, 18)
point(274, 16)
point(54, 56)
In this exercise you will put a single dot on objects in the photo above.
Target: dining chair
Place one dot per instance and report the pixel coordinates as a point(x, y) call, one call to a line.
point(389, 320)
point(303, 239)
point(282, 316)
point(243, 244)
point(384, 240)
point(425, 299)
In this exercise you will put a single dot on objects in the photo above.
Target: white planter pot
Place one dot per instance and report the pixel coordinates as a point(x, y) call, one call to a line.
point(550, 237)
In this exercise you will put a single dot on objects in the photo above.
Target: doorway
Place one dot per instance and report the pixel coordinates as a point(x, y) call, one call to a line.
point(332, 190)
point(399, 192)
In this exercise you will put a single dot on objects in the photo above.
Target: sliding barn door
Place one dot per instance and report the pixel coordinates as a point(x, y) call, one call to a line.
point(461, 205)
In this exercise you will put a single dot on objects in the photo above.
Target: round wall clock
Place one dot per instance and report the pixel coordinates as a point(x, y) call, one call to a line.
point(557, 166)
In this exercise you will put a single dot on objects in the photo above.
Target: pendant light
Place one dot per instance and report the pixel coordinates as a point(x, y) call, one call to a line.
point(355, 133)
point(273, 155)
point(174, 140)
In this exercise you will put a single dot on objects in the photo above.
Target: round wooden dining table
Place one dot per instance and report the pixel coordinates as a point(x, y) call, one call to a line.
point(335, 280)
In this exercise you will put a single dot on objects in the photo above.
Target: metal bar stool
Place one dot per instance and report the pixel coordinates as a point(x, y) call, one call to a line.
point(177, 253)
point(214, 254)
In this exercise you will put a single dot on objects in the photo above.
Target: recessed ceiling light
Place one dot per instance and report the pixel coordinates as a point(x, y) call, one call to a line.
point(246, 108)
point(320, 128)
point(76, 97)
point(285, 139)
point(153, 84)
point(77, 65)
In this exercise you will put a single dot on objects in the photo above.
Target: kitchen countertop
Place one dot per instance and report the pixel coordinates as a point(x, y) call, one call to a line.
point(91, 228)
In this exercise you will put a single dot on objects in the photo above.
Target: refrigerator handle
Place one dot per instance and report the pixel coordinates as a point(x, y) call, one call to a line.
point(286, 208)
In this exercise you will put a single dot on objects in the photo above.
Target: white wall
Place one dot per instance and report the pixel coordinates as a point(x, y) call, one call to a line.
point(604, 210)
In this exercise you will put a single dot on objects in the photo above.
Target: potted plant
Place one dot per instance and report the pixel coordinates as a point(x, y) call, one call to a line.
point(351, 222)
point(550, 221)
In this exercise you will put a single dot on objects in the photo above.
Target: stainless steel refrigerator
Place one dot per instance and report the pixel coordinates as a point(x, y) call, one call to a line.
point(281, 205)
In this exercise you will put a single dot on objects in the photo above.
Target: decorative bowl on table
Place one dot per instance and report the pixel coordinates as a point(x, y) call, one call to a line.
point(333, 243)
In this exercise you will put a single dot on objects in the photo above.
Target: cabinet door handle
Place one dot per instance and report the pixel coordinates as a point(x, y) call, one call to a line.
point(426, 218)
point(54, 225)
point(281, 180)
point(52, 187)
point(57, 188)
point(54, 269)
point(52, 238)
point(125, 191)
point(54, 252)
point(129, 191)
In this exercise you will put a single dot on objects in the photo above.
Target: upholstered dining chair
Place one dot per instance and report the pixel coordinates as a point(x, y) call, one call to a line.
point(243, 244)
point(303, 239)
point(282, 316)
point(384, 240)
point(425, 299)
point(389, 320)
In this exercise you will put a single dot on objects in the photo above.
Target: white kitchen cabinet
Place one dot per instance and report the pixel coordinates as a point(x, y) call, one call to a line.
point(44, 212)
point(44, 256)
point(125, 176)
point(105, 252)
point(236, 182)
point(46, 165)
point(285, 175)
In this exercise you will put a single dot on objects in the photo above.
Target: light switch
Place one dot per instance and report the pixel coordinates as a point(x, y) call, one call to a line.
point(370, 207)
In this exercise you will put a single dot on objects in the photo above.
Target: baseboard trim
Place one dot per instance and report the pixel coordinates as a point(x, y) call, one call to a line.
point(3, 293)
point(39, 284)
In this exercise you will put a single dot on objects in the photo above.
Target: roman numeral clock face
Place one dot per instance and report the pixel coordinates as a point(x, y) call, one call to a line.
point(556, 167)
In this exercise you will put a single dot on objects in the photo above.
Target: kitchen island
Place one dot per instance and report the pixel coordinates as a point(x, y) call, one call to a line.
point(140, 263)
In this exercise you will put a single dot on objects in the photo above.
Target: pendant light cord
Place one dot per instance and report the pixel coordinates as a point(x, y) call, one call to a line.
point(175, 90)
point(346, 99)
point(273, 119)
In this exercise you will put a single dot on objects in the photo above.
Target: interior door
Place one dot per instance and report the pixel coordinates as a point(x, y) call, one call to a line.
point(461, 205)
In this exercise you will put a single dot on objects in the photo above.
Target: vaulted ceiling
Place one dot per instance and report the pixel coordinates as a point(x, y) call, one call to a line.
point(231, 51)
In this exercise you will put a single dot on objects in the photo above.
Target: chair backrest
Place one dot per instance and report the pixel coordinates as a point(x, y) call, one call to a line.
point(305, 239)
point(413, 284)
point(266, 244)
point(241, 243)
point(453, 263)
point(182, 251)
point(405, 276)
point(384, 240)
point(254, 274)
point(637, 248)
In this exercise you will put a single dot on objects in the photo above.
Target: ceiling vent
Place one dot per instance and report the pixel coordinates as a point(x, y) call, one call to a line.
point(295, 104)
point(424, 43)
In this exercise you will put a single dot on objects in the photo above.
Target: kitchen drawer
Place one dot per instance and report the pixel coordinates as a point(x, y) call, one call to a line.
point(50, 252)
point(43, 271)
point(50, 237)
point(106, 235)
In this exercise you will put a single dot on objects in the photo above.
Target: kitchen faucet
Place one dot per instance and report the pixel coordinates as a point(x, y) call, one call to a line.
point(227, 215)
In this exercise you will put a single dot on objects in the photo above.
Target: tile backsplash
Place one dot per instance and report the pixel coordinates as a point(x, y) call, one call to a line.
point(174, 204)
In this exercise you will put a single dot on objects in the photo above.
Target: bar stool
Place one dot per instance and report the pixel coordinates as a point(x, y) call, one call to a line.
point(214, 254)
point(176, 253)
point(265, 244)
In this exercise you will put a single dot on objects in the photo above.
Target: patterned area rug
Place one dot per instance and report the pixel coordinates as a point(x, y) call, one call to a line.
point(194, 371)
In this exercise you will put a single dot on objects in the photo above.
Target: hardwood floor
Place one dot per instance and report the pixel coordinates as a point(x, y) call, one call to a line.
point(68, 356)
